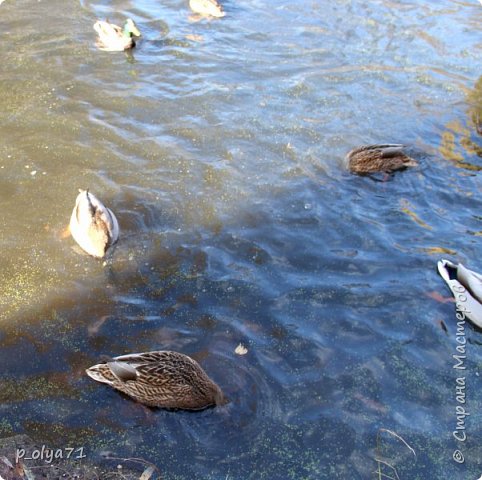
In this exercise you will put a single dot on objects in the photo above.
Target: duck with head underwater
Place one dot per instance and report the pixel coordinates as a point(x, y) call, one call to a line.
point(162, 379)
point(112, 38)
point(386, 158)
point(466, 287)
point(94, 226)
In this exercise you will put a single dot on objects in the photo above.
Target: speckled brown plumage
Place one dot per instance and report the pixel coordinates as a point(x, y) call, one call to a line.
point(160, 379)
point(378, 158)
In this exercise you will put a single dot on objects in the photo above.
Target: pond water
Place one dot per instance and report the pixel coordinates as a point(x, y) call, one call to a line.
point(220, 146)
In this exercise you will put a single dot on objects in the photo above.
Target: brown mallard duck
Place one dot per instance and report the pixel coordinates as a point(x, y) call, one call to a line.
point(379, 158)
point(208, 8)
point(93, 225)
point(112, 38)
point(160, 379)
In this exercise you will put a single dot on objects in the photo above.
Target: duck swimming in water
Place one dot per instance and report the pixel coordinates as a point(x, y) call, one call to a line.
point(112, 38)
point(208, 8)
point(160, 379)
point(466, 287)
point(93, 225)
point(386, 158)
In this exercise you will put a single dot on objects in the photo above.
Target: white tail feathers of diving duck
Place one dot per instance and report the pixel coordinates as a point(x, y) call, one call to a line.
point(466, 287)
point(92, 225)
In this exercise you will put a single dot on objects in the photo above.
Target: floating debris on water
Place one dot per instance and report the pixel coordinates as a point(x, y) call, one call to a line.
point(241, 350)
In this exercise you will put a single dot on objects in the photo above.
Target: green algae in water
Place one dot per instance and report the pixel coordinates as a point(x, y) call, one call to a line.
point(33, 388)
point(25, 284)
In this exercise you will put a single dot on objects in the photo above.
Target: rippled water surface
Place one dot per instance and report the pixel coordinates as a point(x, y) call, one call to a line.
point(220, 146)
